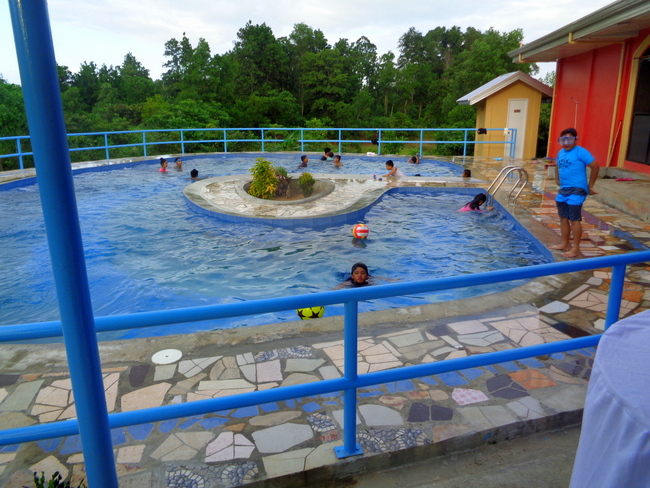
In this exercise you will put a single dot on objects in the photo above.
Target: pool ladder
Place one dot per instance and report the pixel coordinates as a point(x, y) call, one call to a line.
point(519, 185)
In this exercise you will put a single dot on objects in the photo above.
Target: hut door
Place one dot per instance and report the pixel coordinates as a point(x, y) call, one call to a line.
point(517, 115)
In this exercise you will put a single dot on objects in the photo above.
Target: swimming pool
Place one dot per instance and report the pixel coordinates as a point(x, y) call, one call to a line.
point(147, 250)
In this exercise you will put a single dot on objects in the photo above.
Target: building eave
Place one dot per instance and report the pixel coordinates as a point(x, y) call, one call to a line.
point(614, 23)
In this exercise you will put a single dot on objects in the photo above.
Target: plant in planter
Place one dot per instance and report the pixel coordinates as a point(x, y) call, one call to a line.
point(284, 180)
point(306, 182)
point(265, 180)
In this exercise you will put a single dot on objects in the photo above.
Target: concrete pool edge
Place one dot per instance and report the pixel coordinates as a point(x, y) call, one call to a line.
point(21, 357)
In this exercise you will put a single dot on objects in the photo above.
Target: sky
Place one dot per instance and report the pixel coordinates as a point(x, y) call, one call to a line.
point(104, 31)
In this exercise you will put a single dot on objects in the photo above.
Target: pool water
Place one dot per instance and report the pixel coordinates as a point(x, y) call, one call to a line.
point(146, 249)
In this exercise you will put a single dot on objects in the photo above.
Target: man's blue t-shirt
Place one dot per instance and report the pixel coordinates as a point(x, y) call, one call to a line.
point(572, 167)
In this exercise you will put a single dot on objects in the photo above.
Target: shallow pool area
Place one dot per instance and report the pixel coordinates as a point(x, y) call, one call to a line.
point(147, 249)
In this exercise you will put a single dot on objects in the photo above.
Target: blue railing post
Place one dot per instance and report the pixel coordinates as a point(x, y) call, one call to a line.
point(340, 142)
point(421, 139)
point(182, 141)
point(225, 141)
point(379, 142)
point(615, 295)
point(262, 140)
point(350, 336)
point(20, 153)
point(302, 140)
point(106, 145)
point(144, 143)
point(465, 142)
point(40, 84)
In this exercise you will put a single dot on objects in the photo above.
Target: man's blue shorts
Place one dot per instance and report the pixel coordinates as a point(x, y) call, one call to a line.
point(570, 206)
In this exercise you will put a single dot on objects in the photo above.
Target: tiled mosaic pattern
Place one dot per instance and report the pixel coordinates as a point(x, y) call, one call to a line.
point(243, 444)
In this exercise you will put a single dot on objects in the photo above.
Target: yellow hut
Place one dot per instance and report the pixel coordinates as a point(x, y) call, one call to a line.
point(510, 101)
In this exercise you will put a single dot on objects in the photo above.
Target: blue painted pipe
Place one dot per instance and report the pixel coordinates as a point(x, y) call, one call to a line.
point(40, 83)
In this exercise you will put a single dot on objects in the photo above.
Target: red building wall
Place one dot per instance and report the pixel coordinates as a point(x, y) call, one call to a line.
point(585, 99)
point(592, 80)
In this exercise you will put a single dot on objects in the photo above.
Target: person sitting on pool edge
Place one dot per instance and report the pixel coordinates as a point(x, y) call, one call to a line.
point(476, 203)
point(392, 170)
point(194, 175)
point(163, 165)
point(178, 164)
point(304, 160)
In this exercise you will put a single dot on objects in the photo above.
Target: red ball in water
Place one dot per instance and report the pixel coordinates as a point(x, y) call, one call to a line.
point(360, 231)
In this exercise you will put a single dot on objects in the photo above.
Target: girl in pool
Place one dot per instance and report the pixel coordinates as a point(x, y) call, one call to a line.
point(475, 204)
point(178, 164)
point(358, 277)
point(163, 165)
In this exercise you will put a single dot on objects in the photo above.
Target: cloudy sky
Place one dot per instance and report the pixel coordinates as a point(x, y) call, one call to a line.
point(104, 31)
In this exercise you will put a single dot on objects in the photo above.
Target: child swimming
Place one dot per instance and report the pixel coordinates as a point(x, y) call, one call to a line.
point(476, 203)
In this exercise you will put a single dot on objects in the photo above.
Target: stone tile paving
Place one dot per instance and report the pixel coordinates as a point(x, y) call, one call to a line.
point(231, 448)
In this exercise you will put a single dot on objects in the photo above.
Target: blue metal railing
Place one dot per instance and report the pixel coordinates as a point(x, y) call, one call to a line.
point(350, 382)
point(78, 325)
point(266, 138)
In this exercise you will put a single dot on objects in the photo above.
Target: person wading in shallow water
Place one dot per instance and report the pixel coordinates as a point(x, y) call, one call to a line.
point(573, 188)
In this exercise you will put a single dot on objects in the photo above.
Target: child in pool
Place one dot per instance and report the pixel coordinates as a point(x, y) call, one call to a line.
point(163, 165)
point(304, 160)
point(392, 170)
point(327, 154)
point(194, 175)
point(475, 204)
point(415, 159)
point(358, 277)
point(337, 160)
point(467, 173)
point(178, 164)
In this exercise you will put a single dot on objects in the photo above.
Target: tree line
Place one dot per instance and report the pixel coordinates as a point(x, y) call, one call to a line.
point(295, 81)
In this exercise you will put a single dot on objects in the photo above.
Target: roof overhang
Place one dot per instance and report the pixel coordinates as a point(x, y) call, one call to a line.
point(616, 22)
point(501, 82)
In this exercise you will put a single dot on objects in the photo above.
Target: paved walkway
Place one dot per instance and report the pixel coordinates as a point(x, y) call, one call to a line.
point(396, 420)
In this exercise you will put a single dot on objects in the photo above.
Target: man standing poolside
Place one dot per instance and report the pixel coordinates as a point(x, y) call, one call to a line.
point(571, 179)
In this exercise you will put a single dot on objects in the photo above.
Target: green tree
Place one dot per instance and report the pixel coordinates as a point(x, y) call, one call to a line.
point(325, 82)
point(179, 55)
point(261, 60)
point(133, 82)
point(13, 120)
point(87, 83)
point(302, 40)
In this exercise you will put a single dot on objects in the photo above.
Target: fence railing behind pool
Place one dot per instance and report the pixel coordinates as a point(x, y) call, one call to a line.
point(289, 139)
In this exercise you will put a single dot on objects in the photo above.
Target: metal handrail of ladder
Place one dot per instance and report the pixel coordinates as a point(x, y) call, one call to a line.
point(519, 185)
